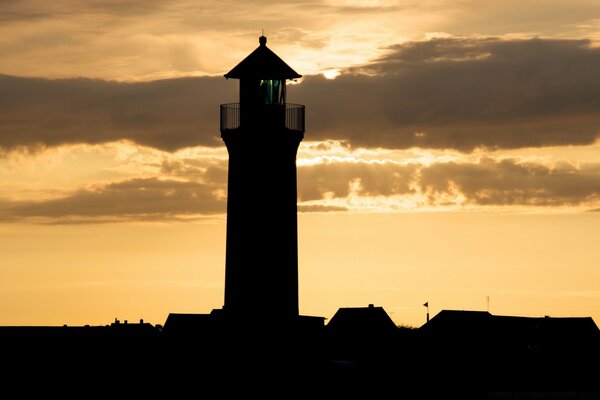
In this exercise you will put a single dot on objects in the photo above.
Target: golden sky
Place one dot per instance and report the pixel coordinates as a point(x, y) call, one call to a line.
point(452, 152)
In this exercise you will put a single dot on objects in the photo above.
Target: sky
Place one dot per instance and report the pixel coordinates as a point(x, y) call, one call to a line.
point(451, 155)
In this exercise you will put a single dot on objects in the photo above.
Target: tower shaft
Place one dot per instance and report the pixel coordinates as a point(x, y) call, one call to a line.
point(261, 270)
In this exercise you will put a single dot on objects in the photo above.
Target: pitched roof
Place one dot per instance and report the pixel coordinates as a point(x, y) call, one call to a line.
point(455, 321)
point(462, 319)
point(359, 319)
point(262, 63)
point(187, 323)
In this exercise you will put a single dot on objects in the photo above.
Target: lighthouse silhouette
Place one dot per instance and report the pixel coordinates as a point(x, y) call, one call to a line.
point(262, 134)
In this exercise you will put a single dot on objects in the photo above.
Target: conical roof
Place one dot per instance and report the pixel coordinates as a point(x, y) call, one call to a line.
point(262, 63)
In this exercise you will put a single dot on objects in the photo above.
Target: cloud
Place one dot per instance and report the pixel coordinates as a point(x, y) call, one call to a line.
point(192, 189)
point(462, 94)
point(166, 114)
point(207, 170)
point(27, 10)
point(137, 199)
point(306, 208)
point(340, 179)
point(143, 40)
point(510, 182)
point(487, 181)
point(444, 94)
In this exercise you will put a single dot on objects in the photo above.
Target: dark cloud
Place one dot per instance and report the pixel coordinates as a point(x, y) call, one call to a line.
point(463, 94)
point(167, 114)
point(509, 182)
point(444, 93)
point(499, 17)
point(141, 199)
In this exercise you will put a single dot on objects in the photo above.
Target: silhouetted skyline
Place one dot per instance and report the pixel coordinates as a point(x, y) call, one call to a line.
point(258, 337)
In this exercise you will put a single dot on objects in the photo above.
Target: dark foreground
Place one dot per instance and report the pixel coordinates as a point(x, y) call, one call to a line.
point(143, 360)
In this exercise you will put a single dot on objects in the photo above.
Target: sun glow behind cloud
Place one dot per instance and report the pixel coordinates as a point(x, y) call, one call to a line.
point(331, 73)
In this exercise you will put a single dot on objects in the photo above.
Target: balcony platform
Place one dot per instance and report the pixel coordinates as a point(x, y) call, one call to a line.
point(281, 116)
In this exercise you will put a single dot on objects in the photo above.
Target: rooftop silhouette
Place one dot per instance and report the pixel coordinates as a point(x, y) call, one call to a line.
point(262, 63)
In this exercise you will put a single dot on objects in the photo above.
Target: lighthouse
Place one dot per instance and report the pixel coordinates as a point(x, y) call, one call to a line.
point(262, 133)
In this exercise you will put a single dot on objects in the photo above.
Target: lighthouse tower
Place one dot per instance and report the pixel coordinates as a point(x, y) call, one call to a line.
point(262, 134)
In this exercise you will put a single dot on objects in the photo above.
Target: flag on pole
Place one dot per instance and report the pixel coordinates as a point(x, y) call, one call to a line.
point(426, 304)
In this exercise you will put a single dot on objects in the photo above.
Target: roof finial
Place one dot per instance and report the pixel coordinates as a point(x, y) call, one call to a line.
point(263, 39)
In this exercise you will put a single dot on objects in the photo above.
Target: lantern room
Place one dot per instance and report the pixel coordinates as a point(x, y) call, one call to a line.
point(262, 103)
